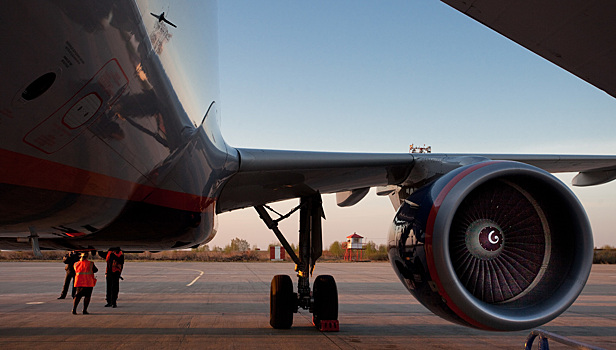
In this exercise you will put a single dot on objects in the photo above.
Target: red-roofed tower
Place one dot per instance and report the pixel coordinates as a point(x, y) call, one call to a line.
point(354, 247)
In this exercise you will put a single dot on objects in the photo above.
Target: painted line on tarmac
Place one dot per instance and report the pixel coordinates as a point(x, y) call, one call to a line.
point(195, 280)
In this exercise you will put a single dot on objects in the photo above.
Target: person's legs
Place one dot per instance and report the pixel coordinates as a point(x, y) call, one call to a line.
point(76, 300)
point(86, 293)
point(67, 281)
point(79, 293)
point(86, 302)
point(108, 286)
point(72, 280)
point(115, 289)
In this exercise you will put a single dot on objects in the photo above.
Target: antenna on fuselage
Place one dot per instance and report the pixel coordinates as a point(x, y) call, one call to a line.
point(416, 149)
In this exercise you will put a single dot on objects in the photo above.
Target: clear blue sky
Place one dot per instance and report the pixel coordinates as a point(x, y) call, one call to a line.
point(376, 76)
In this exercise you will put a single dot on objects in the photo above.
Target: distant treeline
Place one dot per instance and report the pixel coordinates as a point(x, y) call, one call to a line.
point(605, 255)
point(372, 253)
point(182, 255)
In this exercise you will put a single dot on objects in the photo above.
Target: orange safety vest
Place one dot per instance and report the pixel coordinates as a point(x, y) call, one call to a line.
point(115, 266)
point(84, 274)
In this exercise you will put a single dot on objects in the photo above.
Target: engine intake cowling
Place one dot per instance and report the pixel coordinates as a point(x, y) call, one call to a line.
point(496, 245)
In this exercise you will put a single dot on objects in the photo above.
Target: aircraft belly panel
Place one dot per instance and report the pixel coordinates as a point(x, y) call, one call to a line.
point(92, 128)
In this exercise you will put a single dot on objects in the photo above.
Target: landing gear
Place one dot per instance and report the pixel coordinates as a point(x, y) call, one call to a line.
point(283, 302)
point(323, 301)
point(325, 296)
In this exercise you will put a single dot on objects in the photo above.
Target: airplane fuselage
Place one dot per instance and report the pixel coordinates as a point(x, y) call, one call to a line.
point(113, 81)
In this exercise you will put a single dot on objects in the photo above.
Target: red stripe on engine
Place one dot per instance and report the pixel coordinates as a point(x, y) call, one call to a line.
point(429, 251)
point(23, 170)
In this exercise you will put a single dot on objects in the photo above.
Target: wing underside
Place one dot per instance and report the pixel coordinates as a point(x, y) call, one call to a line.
point(266, 176)
point(576, 35)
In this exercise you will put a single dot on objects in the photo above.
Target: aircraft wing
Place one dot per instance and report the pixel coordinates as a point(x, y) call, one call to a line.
point(269, 175)
point(266, 176)
point(577, 35)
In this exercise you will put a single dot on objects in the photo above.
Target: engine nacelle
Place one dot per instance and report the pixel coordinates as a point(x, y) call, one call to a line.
point(496, 245)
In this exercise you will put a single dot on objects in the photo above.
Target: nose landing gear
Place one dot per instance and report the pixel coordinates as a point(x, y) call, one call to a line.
point(322, 302)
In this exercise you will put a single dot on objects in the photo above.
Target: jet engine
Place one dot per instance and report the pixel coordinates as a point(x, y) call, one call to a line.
point(496, 245)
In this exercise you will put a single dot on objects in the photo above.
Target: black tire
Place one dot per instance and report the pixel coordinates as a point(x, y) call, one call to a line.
point(325, 294)
point(281, 302)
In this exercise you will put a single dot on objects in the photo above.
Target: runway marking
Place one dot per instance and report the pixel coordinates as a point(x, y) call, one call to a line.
point(35, 303)
point(195, 280)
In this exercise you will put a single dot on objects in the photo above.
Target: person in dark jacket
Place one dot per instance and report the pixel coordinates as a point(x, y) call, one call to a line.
point(69, 259)
point(115, 264)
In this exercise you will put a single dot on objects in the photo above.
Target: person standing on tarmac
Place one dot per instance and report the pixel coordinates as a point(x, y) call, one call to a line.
point(84, 282)
point(69, 259)
point(115, 264)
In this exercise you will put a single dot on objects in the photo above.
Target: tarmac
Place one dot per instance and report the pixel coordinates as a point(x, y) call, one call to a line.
point(186, 305)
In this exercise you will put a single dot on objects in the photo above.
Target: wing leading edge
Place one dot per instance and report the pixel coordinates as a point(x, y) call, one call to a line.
point(266, 176)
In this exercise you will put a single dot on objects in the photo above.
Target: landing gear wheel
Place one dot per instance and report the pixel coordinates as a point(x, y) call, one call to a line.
point(282, 302)
point(325, 294)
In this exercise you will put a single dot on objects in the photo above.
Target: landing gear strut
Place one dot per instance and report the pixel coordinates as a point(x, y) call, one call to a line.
point(323, 300)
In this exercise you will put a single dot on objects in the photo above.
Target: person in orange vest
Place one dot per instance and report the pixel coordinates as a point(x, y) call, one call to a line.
point(84, 282)
point(113, 273)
